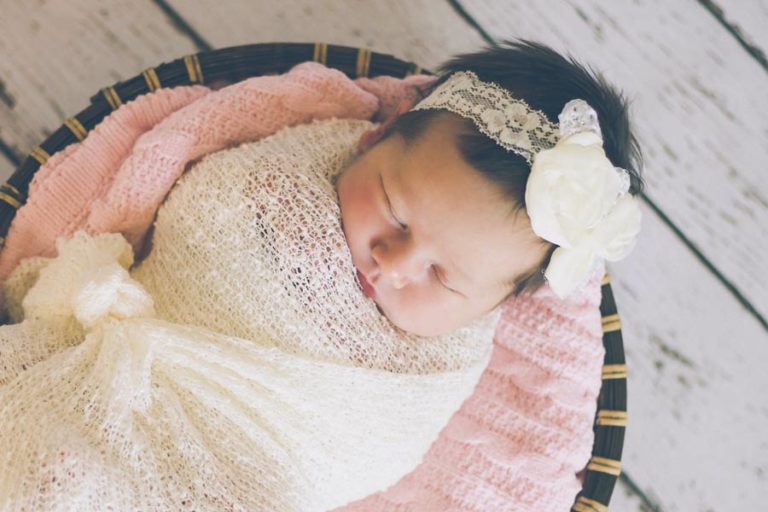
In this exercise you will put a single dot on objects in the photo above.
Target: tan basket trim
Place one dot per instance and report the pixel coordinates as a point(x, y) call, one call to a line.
point(39, 154)
point(194, 70)
point(611, 323)
point(321, 53)
point(611, 418)
point(614, 371)
point(605, 465)
point(76, 128)
point(415, 71)
point(10, 200)
point(363, 61)
point(112, 97)
point(153, 81)
point(584, 504)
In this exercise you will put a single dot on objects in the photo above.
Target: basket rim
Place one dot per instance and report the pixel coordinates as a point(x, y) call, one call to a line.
point(244, 61)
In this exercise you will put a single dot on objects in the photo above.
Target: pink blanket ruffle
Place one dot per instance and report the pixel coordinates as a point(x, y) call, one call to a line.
point(515, 445)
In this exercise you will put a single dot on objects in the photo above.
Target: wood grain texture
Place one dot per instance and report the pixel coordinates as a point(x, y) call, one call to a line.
point(6, 168)
point(749, 18)
point(624, 500)
point(696, 402)
point(54, 55)
point(695, 93)
point(422, 31)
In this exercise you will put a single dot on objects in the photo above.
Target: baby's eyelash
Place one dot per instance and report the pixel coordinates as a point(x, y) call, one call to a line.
point(389, 205)
point(437, 276)
point(392, 214)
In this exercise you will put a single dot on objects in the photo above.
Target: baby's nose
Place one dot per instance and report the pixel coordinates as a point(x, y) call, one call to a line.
point(401, 263)
point(398, 280)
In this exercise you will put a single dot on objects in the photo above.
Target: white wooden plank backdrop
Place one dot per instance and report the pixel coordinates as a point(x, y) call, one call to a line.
point(55, 55)
point(696, 437)
point(422, 31)
point(6, 168)
point(749, 19)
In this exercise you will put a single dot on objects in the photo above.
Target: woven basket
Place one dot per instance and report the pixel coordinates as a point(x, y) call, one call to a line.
point(240, 62)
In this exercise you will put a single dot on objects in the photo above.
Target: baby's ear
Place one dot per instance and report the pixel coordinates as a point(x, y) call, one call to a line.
point(371, 137)
point(368, 139)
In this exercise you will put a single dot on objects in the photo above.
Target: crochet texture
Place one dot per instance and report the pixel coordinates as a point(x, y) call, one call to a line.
point(271, 383)
point(514, 445)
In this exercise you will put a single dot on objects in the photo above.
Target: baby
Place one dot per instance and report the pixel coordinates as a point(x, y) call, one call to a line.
point(241, 364)
point(434, 211)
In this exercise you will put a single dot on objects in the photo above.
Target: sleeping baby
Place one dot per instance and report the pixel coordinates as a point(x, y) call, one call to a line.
point(314, 307)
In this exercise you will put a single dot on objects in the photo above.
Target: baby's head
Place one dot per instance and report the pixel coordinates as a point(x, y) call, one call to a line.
point(434, 211)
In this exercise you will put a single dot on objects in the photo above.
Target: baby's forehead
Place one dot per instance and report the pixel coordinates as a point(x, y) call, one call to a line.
point(446, 124)
point(438, 138)
point(441, 142)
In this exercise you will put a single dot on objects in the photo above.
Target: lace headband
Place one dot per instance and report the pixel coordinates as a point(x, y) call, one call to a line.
point(574, 197)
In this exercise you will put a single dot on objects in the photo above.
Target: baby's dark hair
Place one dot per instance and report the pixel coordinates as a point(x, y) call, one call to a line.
point(546, 81)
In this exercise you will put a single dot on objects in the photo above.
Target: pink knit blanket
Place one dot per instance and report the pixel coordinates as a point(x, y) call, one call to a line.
point(515, 445)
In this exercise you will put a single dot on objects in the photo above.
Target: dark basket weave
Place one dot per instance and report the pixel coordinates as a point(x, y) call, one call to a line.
point(236, 63)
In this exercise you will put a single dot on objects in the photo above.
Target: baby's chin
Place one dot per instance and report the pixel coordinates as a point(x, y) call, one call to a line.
point(380, 309)
point(429, 333)
point(387, 316)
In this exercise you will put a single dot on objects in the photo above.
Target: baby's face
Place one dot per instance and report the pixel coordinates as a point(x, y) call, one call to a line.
point(446, 264)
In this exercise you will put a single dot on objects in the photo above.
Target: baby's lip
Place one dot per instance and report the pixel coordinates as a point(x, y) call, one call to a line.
point(368, 288)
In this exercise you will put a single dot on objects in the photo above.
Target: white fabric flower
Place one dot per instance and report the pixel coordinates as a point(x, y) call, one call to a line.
point(577, 199)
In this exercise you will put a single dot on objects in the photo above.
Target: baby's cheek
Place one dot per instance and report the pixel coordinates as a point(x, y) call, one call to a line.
point(401, 311)
point(353, 223)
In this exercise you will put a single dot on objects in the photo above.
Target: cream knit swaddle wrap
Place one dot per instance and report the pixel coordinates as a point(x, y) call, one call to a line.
point(238, 367)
